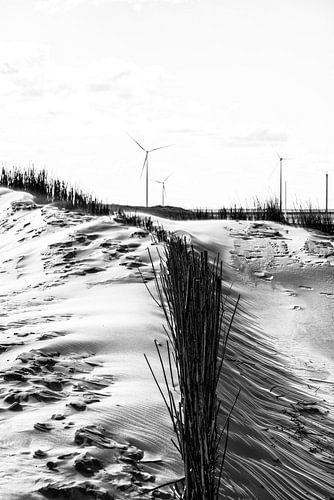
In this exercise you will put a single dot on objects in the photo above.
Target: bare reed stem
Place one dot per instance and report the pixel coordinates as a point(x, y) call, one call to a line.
point(189, 289)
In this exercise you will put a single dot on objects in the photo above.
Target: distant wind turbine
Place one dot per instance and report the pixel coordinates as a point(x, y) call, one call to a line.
point(163, 188)
point(280, 179)
point(147, 151)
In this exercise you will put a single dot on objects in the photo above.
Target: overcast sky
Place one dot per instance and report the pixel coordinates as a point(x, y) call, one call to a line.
point(227, 82)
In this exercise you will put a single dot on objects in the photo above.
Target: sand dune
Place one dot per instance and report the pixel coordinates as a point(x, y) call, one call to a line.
point(78, 402)
point(80, 416)
point(281, 355)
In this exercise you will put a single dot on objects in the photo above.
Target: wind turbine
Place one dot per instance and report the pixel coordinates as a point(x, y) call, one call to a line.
point(163, 188)
point(280, 179)
point(147, 151)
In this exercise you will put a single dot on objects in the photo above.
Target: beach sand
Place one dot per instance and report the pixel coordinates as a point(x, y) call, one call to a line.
point(80, 414)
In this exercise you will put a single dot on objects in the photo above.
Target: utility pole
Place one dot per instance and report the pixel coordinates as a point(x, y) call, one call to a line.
point(326, 192)
point(280, 181)
point(280, 184)
point(147, 182)
point(285, 196)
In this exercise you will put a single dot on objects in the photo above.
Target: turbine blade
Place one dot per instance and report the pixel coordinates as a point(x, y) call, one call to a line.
point(279, 156)
point(168, 176)
point(161, 147)
point(143, 167)
point(137, 143)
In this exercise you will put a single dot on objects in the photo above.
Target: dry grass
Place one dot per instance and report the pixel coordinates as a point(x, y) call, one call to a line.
point(189, 290)
point(314, 219)
point(51, 190)
point(268, 210)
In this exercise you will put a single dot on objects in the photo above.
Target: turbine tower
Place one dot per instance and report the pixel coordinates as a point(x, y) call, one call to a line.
point(147, 151)
point(163, 188)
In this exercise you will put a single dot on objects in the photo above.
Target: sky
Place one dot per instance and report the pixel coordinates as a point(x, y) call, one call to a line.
point(227, 83)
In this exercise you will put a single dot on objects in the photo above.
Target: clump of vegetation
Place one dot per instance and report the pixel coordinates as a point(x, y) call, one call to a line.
point(189, 290)
point(268, 210)
point(146, 223)
point(314, 219)
point(169, 212)
point(51, 190)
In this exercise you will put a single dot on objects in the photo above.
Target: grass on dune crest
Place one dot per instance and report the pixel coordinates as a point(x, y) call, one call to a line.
point(313, 219)
point(189, 290)
point(51, 190)
point(268, 210)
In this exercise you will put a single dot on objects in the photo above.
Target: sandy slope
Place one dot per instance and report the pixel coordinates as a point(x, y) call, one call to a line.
point(279, 270)
point(281, 355)
point(76, 320)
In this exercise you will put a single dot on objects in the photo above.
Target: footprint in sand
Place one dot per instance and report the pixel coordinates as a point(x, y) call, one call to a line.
point(87, 465)
point(43, 426)
point(295, 308)
point(40, 454)
point(303, 287)
point(263, 275)
point(290, 293)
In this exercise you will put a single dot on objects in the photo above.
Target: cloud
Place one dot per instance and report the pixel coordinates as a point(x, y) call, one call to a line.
point(107, 94)
point(54, 6)
point(28, 70)
point(16, 56)
point(123, 78)
point(7, 69)
point(19, 63)
point(262, 137)
point(110, 94)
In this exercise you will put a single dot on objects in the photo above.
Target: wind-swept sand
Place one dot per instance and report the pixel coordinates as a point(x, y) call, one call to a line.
point(280, 353)
point(79, 411)
point(75, 322)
